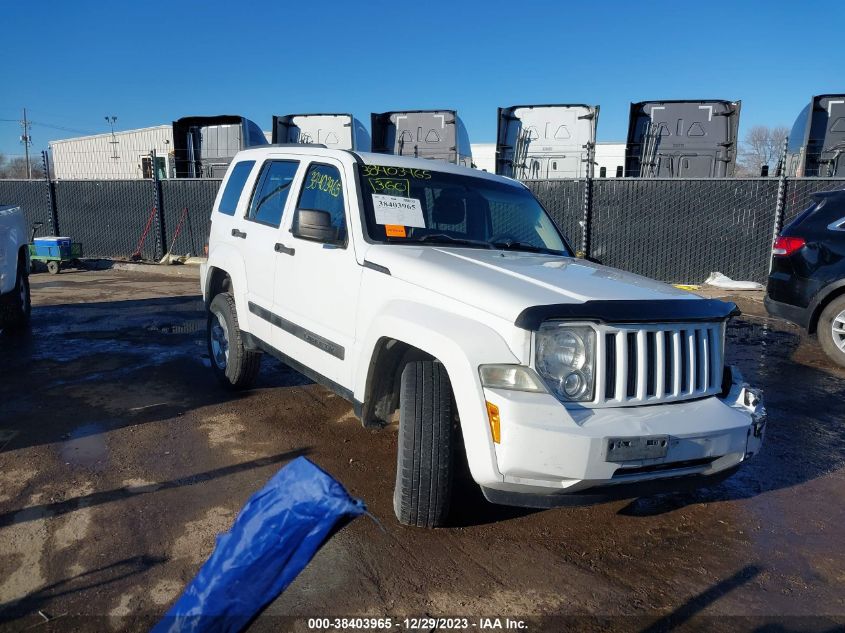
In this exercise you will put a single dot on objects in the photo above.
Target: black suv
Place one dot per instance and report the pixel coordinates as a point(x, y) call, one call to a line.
point(807, 282)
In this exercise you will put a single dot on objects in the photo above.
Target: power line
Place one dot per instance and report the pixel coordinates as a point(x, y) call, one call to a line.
point(53, 127)
point(62, 128)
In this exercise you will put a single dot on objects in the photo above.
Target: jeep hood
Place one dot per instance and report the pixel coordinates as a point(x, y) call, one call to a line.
point(506, 282)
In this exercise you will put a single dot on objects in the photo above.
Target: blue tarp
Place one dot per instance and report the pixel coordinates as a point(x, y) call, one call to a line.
point(275, 536)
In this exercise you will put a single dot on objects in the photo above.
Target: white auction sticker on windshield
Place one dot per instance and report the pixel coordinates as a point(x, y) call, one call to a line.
point(398, 211)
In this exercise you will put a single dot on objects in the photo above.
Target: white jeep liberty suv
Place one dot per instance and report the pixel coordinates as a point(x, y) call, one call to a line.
point(449, 294)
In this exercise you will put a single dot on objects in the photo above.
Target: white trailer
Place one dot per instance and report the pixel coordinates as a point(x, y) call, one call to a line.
point(545, 141)
point(335, 131)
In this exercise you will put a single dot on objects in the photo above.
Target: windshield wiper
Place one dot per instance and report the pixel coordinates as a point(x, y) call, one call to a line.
point(443, 238)
point(511, 245)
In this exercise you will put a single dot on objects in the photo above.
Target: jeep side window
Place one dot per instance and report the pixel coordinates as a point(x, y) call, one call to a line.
point(271, 192)
point(322, 190)
point(234, 186)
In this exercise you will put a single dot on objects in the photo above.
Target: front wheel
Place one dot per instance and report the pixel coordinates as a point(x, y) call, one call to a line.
point(15, 309)
point(424, 467)
point(235, 366)
point(831, 330)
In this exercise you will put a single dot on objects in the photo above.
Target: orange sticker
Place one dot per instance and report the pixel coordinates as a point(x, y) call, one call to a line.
point(394, 230)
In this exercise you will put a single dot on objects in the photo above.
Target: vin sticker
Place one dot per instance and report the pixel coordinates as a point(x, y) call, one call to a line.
point(398, 211)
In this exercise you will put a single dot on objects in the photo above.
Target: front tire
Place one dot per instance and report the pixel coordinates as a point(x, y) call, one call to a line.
point(15, 310)
point(831, 330)
point(424, 467)
point(235, 366)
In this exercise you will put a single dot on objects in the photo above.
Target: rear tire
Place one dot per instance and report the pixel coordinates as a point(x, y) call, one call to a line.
point(831, 330)
point(16, 308)
point(424, 467)
point(53, 267)
point(235, 366)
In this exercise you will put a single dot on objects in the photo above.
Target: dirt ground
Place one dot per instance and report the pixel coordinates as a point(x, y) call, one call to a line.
point(121, 459)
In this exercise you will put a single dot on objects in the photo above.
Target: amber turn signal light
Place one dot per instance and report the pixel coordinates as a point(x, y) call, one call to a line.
point(495, 422)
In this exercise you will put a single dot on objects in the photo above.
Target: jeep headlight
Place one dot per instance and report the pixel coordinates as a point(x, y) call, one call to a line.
point(566, 360)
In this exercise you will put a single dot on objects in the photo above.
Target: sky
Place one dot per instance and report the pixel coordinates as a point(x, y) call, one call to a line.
point(148, 63)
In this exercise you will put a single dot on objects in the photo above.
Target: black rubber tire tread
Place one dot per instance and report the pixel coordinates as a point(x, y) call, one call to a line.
point(13, 314)
point(243, 364)
point(823, 330)
point(424, 465)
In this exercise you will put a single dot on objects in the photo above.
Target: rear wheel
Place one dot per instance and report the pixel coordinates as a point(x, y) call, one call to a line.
point(235, 366)
point(53, 267)
point(831, 330)
point(15, 309)
point(424, 468)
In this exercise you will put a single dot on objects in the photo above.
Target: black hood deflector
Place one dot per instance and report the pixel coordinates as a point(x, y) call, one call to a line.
point(633, 311)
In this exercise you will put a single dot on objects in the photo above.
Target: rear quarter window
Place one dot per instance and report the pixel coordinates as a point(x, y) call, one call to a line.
point(234, 187)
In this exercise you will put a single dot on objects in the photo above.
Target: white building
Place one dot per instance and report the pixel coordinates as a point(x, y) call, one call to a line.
point(484, 156)
point(122, 155)
point(610, 160)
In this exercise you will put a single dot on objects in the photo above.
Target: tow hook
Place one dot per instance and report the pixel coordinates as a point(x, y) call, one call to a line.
point(751, 397)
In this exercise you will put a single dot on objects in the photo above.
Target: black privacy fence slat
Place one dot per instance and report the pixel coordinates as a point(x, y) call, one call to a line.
point(798, 194)
point(679, 230)
point(111, 218)
point(670, 229)
point(564, 200)
point(33, 196)
point(187, 208)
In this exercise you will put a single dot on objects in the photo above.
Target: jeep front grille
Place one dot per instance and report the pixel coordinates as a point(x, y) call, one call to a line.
point(646, 364)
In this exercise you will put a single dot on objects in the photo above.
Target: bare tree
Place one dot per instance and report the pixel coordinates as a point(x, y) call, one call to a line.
point(15, 168)
point(762, 146)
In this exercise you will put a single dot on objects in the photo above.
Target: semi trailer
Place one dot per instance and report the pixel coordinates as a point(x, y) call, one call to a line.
point(545, 141)
point(203, 146)
point(817, 140)
point(682, 139)
point(335, 131)
point(434, 134)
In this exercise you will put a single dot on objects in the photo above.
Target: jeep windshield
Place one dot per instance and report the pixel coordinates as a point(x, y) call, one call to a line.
point(425, 206)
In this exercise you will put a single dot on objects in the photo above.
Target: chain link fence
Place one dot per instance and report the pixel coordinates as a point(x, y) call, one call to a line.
point(187, 205)
point(564, 200)
point(798, 193)
point(33, 196)
point(678, 230)
point(674, 230)
point(682, 230)
point(115, 218)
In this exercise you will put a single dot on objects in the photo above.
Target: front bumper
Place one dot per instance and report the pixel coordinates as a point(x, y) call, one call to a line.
point(548, 453)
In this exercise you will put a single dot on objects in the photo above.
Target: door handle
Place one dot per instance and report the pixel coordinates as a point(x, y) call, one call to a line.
point(237, 233)
point(281, 248)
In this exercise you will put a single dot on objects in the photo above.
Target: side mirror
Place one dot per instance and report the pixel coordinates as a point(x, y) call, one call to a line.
point(310, 224)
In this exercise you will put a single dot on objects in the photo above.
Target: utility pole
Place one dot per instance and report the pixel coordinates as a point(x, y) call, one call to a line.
point(27, 141)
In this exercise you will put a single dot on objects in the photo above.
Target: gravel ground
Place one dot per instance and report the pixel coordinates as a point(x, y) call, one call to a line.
point(120, 460)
